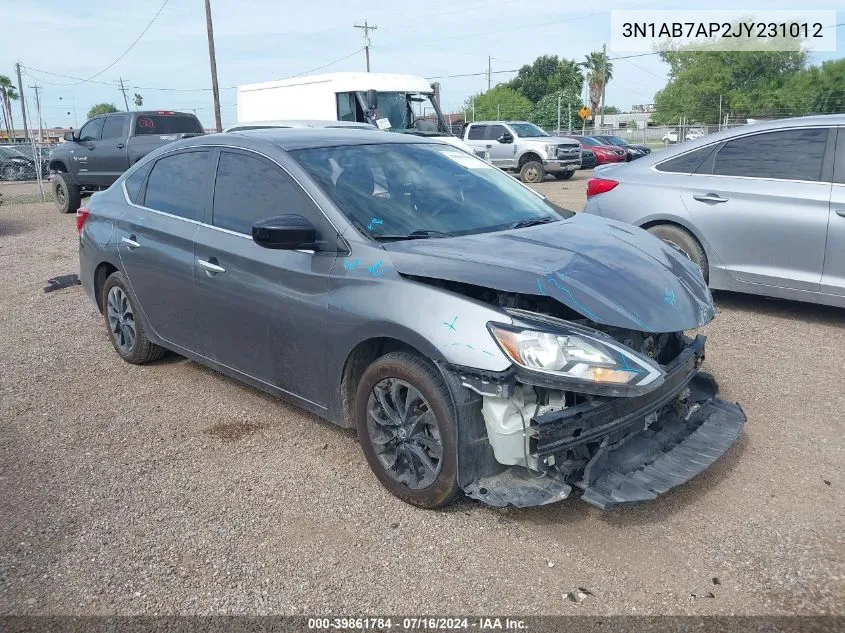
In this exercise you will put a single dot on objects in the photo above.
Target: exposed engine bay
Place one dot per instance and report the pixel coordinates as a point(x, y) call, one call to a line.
point(547, 439)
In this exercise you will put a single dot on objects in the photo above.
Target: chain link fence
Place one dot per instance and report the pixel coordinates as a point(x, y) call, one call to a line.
point(24, 172)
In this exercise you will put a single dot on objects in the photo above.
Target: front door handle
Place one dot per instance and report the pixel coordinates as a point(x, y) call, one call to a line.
point(840, 213)
point(120, 146)
point(210, 267)
point(132, 244)
point(710, 197)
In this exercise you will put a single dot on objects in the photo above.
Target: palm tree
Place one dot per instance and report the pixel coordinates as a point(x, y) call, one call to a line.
point(8, 94)
point(599, 74)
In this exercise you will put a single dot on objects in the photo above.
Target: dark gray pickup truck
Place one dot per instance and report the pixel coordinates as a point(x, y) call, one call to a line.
point(107, 145)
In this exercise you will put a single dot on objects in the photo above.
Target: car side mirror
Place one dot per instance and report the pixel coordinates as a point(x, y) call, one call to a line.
point(507, 137)
point(71, 136)
point(285, 232)
point(372, 99)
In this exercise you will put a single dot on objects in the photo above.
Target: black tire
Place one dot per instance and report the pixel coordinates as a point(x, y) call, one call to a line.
point(66, 194)
point(8, 173)
point(418, 373)
point(563, 175)
point(141, 349)
point(532, 171)
point(684, 240)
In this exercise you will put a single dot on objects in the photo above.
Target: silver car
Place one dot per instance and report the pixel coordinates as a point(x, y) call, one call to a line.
point(761, 208)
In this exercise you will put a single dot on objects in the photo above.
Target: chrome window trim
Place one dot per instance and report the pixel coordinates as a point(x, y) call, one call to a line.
point(218, 228)
point(653, 168)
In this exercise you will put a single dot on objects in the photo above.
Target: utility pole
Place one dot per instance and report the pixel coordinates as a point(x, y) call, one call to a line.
point(489, 72)
point(123, 90)
point(23, 100)
point(38, 110)
point(366, 28)
point(209, 27)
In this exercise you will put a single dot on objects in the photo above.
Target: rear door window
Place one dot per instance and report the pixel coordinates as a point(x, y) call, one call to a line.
point(476, 132)
point(178, 184)
point(686, 163)
point(166, 124)
point(795, 154)
point(135, 182)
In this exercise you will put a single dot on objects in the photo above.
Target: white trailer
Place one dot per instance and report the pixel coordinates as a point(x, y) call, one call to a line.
point(397, 103)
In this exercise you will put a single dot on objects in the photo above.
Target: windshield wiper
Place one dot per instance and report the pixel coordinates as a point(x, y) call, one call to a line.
point(531, 222)
point(420, 234)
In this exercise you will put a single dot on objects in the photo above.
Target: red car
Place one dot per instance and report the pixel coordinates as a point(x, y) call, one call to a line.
point(604, 153)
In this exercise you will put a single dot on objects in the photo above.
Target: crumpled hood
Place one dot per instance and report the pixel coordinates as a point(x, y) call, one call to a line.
point(612, 273)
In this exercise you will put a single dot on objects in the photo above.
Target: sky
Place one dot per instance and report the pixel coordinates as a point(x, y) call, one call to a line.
point(262, 40)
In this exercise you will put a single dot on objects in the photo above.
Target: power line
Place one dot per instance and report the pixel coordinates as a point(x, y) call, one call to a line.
point(131, 46)
point(337, 61)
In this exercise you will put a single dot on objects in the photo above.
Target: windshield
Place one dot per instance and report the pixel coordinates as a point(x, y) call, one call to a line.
point(527, 130)
point(8, 152)
point(616, 140)
point(410, 112)
point(590, 141)
point(393, 190)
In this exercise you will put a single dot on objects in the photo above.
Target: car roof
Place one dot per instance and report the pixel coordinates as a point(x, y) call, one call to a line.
point(298, 123)
point(498, 122)
point(306, 138)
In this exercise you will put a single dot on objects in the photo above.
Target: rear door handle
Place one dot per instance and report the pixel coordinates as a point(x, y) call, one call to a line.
point(120, 146)
point(132, 244)
point(710, 197)
point(840, 213)
point(210, 267)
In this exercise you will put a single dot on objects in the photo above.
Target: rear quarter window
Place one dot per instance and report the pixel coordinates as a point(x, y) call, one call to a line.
point(686, 163)
point(178, 184)
point(135, 182)
point(166, 124)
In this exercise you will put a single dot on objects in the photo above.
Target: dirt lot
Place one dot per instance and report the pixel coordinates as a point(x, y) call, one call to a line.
point(171, 489)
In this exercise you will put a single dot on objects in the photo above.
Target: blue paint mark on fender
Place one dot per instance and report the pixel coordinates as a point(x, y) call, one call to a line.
point(376, 270)
point(451, 325)
point(351, 264)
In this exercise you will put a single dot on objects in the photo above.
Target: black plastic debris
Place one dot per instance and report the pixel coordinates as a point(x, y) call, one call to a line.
point(716, 580)
point(700, 593)
point(826, 482)
point(62, 281)
point(577, 595)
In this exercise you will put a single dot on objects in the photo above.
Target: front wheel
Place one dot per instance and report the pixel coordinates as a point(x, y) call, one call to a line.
point(532, 171)
point(406, 426)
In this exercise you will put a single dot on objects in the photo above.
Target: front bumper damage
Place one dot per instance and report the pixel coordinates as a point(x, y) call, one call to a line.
point(615, 450)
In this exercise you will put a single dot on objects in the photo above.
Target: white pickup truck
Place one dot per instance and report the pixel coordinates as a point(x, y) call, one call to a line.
point(523, 147)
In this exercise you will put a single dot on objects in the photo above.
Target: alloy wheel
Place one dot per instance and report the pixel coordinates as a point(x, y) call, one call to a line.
point(121, 319)
point(404, 433)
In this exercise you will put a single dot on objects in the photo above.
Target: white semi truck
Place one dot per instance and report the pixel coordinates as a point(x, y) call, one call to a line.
point(397, 103)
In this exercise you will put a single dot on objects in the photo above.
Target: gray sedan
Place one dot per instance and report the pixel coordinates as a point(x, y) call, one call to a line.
point(760, 208)
point(480, 339)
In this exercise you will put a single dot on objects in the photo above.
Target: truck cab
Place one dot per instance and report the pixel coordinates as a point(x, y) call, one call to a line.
point(523, 147)
point(92, 158)
point(405, 104)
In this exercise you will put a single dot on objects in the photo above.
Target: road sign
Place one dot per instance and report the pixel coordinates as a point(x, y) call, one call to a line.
point(584, 112)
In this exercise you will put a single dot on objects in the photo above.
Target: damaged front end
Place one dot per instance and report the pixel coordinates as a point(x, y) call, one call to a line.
point(647, 420)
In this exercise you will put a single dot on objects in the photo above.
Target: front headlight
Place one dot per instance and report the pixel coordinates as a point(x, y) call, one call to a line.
point(483, 154)
point(577, 356)
point(551, 151)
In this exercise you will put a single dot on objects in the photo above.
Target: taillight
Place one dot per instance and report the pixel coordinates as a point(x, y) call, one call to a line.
point(599, 185)
point(165, 112)
point(81, 215)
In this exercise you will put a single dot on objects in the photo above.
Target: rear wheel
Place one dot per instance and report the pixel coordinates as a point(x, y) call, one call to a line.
point(66, 194)
point(532, 171)
point(406, 426)
point(686, 242)
point(127, 330)
point(564, 175)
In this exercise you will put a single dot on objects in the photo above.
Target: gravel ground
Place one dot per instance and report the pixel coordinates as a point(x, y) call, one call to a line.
point(169, 488)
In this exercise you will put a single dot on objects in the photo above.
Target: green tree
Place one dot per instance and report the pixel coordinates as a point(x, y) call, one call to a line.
point(747, 82)
point(599, 74)
point(7, 95)
point(102, 108)
point(545, 112)
point(816, 90)
point(545, 75)
point(610, 110)
point(500, 102)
